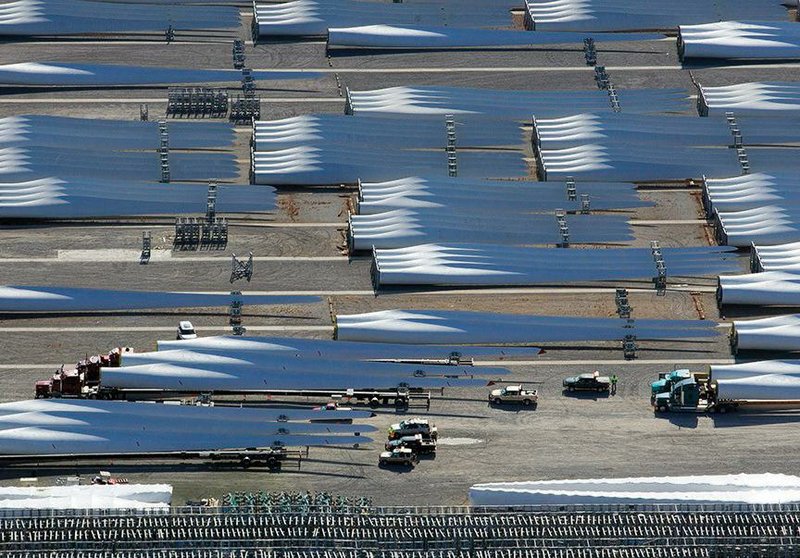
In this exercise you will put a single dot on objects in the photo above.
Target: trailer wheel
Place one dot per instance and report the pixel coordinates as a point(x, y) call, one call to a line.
point(374, 402)
point(526, 402)
point(246, 462)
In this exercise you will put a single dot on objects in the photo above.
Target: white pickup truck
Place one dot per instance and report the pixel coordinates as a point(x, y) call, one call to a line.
point(514, 394)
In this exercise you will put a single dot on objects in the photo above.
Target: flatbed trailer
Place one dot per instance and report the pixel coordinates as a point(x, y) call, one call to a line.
point(85, 382)
point(699, 393)
point(271, 458)
point(399, 398)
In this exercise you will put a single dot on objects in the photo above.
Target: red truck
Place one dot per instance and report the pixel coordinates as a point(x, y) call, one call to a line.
point(82, 381)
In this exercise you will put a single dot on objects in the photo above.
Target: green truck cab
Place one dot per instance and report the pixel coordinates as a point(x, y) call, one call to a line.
point(689, 394)
point(684, 396)
point(665, 382)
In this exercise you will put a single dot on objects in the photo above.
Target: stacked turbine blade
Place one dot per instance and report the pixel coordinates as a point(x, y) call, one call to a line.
point(426, 37)
point(31, 162)
point(620, 15)
point(780, 257)
point(326, 149)
point(494, 265)
point(768, 224)
point(776, 333)
point(736, 40)
point(82, 17)
point(73, 299)
point(73, 198)
point(80, 427)
point(58, 131)
point(761, 208)
point(758, 368)
point(254, 365)
point(315, 17)
point(444, 326)
point(211, 349)
point(751, 191)
point(425, 100)
point(85, 151)
point(475, 197)
point(777, 381)
point(59, 74)
point(643, 147)
point(391, 132)
point(746, 98)
point(768, 288)
point(253, 374)
point(399, 228)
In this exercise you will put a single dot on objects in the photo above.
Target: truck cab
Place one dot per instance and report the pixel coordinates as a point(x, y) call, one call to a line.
point(666, 381)
point(686, 395)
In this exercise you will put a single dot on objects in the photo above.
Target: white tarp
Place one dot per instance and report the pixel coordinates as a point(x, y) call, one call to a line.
point(776, 333)
point(764, 488)
point(95, 496)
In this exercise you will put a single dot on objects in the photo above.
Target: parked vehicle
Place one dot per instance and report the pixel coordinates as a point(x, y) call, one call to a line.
point(514, 394)
point(398, 456)
point(186, 331)
point(700, 393)
point(417, 443)
point(588, 382)
point(665, 382)
point(413, 426)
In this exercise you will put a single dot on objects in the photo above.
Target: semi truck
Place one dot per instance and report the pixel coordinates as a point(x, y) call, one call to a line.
point(665, 382)
point(699, 392)
point(84, 381)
